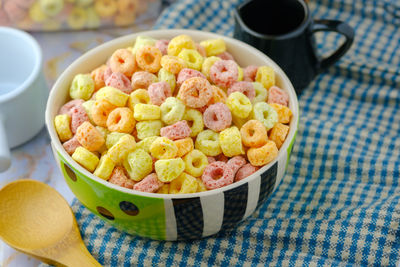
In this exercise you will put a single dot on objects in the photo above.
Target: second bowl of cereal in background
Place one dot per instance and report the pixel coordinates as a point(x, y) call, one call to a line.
point(173, 134)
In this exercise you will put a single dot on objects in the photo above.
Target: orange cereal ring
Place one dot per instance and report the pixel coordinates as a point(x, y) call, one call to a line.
point(121, 120)
point(89, 137)
point(98, 77)
point(262, 155)
point(278, 134)
point(172, 64)
point(100, 111)
point(254, 133)
point(195, 92)
point(105, 8)
point(127, 7)
point(122, 60)
point(149, 58)
point(184, 146)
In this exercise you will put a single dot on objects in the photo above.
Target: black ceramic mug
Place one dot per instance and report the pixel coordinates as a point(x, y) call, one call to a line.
point(284, 31)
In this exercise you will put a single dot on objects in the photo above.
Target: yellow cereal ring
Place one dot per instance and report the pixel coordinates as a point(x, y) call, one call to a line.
point(93, 20)
point(142, 41)
point(148, 58)
point(184, 184)
point(89, 137)
point(163, 189)
point(266, 76)
point(51, 7)
point(169, 77)
point(262, 155)
point(169, 169)
point(145, 112)
point(77, 18)
point(82, 87)
point(284, 113)
point(138, 164)
point(106, 8)
point(239, 105)
point(104, 168)
point(112, 138)
point(214, 47)
point(148, 128)
point(121, 120)
point(195, 119)
point(62, 125)
point(266, 114)
point(85, 158)
point(184, 146)
point(100, 111)
point(200, 185)
point(139, 96)
point(36, 13)
point(278, 134)
point(172, 64)
point(112, 95)
point(124, 19)
point(192, 58)
point(163, 148)
point(88, 105)
point(195, 162)
point(239, 122)
point(254, 133)
point(146, 143)
point(180, 42)
point(172, 110)
point(207, 64)
point(261, 93)
point(122, 148)
point(231, 142)
point(207, 142)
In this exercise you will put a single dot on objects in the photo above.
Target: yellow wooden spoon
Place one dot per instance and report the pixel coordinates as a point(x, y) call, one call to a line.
point(35, 219)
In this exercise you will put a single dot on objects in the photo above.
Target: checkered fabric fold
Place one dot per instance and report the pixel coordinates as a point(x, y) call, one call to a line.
point(338, 204)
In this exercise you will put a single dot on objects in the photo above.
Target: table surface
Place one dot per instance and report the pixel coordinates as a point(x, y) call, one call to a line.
point(34, 159)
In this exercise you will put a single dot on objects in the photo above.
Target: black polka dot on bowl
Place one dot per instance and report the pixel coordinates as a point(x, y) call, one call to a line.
point(129, 208)
point(105, 213)
point(70, 172)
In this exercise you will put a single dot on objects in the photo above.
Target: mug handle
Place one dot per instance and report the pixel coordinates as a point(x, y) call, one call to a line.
point(5, 158)
point(335, 26)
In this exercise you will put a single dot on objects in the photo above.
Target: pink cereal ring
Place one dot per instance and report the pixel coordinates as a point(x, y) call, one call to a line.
point(195, 92)
point(149, 184)
point(4, 19)
point(71, 145)
point(224, 73)
point(14, 11)
point(158, 92)
point(217, 117)
point(249, 73)
point(178, 130)
point(226, 56)
point(162, 45)
point(211, 160)
point(119, 81)
point(24, 3)
point(217, 174)
point(278, 96)
point(66, 108)
point(247, 88)
point(236, 163)
point(107, 73)
point(142, 80)
point(78, 116)
point(118, 177)
point(245, 171)
point(186, 73)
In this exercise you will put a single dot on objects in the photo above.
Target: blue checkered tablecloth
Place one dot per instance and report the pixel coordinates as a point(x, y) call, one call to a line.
point(339, 201)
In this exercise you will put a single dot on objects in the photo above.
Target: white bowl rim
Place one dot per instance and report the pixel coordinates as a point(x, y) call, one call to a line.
point(173, 32)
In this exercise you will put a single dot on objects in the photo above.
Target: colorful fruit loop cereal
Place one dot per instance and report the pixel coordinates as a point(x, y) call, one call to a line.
point(197, 125)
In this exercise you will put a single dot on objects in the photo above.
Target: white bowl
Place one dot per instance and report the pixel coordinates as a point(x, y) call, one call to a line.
point(163, 216)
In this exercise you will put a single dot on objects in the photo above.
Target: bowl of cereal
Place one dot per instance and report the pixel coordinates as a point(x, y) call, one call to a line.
point(172, 134)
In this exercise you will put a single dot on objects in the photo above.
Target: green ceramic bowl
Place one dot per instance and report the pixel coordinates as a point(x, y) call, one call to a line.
point(163, 216)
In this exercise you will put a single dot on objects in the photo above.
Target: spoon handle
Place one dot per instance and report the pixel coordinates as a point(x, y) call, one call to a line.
point(78, 256)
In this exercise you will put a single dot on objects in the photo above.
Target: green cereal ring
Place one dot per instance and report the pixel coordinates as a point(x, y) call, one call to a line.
point(112, 138)
point(148, 128)
point(169, 169)
point(146, 143)
point(166, 76)
point(207, 142)
point(194, 117)
point(142, 41)
point(172, 110)
point(266, 114)
point(261, 93)
point(82, 87)
point(138, 164)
